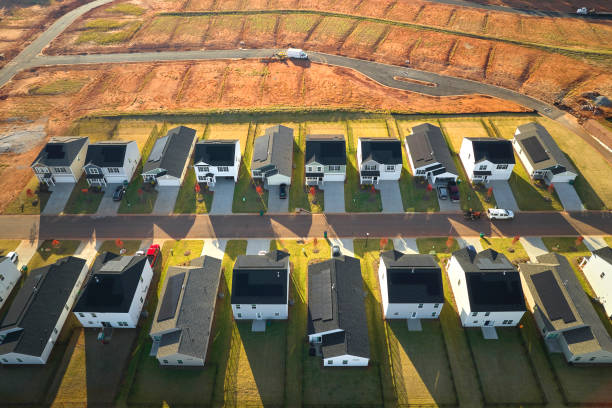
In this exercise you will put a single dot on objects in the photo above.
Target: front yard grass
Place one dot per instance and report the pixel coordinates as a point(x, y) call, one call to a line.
point(504, 358)
point(30, 200)
point(130, 246)
point(420, 364)
point(357, 198)
point(299, 193)
point(47, 253)
point(83, 200)
point(8, 245)
point(188, 201)
point(437, 245)
point(513, 251)
point(246, 198)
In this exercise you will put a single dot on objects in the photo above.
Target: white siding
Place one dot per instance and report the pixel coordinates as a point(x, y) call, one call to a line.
point(278, 179)
point(351, 361)
point(599, 274)
point(261, 312)
point(466, 154)
point(9, 276)
point(232, 170)
point(173, 360)
point(168, 181)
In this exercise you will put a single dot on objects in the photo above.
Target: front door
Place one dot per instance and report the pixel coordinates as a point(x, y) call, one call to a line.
point(413, 315)
point(107, 324)
point(258, 316)
point(488, 323)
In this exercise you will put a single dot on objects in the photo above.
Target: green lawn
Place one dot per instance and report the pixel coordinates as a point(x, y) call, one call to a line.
point(299, 194)
point(246, 198)
point(357, 198)
point(130, 246)
point(583, 384)
point(437, 245)
point(420, 364)
point(104, 36)
point(530, 196)
point(83, 200)
point(48, 254)
point(29, 201)
point(513, 251)
point(188, 201)
point(61, 86)
point(8, 245)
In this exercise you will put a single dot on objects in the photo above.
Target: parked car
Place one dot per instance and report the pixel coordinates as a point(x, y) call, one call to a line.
point(335, 251)
point(282, 191)
point(119, 193)
point(500, 214)
point(13, 257)
point(442, 192)
point(153, 254)
point(453, 191)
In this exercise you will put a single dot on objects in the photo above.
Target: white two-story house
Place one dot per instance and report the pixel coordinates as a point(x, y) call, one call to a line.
point(115, 292)
point(411, 286)
point(541, 156)
point(486, 158)
point(379, 159)
point(61, 160)
point(598, 270)
point(272, 160)
point(337, 322)
point(40, 309)
point(9, 276)
point(429, 156)
point(170, 157)
point(216, 159)
point(487, 288)
point(325, 159)
point(260, 286)
point(111, 162)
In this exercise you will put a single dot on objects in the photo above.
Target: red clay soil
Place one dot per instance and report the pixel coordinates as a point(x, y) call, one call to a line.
point(568, 6)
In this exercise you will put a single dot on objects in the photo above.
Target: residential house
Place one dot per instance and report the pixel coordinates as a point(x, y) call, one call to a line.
point(598, 270)
point(411, 286)
point(260, 286)
point(115, 292)
point(168, 161)
point(61, 160)
point(325, 159)
point(337, 321)
point(182, 325)
point(111, 162)
point(486, 158)
point(273, 156)
point(541, 156)
point(379, 159)
point(487, 288)
point(38, 313)
point(563, 312)
point(9, 276)
point(216, 158)
point(429, 156)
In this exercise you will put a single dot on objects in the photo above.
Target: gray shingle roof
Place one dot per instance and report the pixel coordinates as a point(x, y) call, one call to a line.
point(260, 279)
point(274, 150)
point(498, 151)
point(336, 301)
point(427, 146)
point(60, 151)
point(215, 152)
point(171, 152)
point(412, 278)
point(106, 154)
point(383, 150)
point(540, 148)
point(38, 306)
point(325, 149)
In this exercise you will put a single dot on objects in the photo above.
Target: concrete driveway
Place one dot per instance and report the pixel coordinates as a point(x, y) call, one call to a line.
point(275, 204)
point(345, 244)
point(26, 250)
point(58, 199)
point(214, 248)
point(447, 205)
point(503, 195)
point(107, 205)
point(256, 245)
point(534, 246)
point(406, 245)
point(166, 198)
point(390, 196)
point(568, 196)
point(223, 197)
point(334, 197)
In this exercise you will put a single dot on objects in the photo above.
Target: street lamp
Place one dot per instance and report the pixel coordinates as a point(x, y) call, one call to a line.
point(367, 237)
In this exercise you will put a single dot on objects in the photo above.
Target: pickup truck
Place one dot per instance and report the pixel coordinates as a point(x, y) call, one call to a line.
point(152, 254)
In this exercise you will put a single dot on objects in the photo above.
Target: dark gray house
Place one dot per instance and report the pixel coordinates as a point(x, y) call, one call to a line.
point(168, 161)
point(273, 156)
point(429, 155)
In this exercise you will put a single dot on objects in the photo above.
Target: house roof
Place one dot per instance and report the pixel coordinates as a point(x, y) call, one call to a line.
point(336, 302)
point(107, 154)
point(261, 279)
point(192, 307)
point(493, 283)
point(60, 151)
point(563, 305)
point(498, 151)
point(38, 306)
point(112, 284)
point(215, 152)
point(426, 146)
point(540, 148)
point(381, 150)
point(325, 149)
point(604, 253)
point(412, 278)
point(273, 151)
point(171, 152)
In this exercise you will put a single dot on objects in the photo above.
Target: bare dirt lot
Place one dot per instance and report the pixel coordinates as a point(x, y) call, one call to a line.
point(198, 87)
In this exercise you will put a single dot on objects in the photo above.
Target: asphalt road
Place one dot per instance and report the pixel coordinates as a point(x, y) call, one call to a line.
point(239, 226)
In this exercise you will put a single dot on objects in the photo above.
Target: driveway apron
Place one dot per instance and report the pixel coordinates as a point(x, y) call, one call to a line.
point(406, 245)
point(255, 246)
point(390, 196)
point(107, 205)
point(58, 199)
point(334, 197)
point(275, 204)
point(534, 246)
point(223, 197)
point(166, 198)
point(503, 195)
point(568, 196)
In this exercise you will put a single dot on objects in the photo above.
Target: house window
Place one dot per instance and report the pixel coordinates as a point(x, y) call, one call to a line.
point(1, 277)
point(141, 301)
point(21, 361)
point(475, 314)
point(201, 178)
point(41, 170)
point(420, 305)
point(592, 359)
point(179, 361)
point(93, 315)
point(5, 360)
point(475, 321)
point(60, 170)
point(55, 330)
point(577, 359)
point(66, 307)
point(141, 279)
point(89, 322)
point(482, 167)
point(237, 306)
point(319, 169)
point(317, 339)
point(487, 313)
point(334, 168)
point(203, 168)
point(256, 173)
point(309, 169)
point(459, 282)
point(224, 169)
point(436, 305)
point(433, 314)
point(276, 314)
point(396, 314)
point(420, 172)
point(165, 361)
point(502, 166)
point(82, 314)
point(344, 362)
point(369, 167)
point(330, 362)
point(239, 315)
point(602, 275)
point(253, 306)
point(93, 170)
point(390, 168)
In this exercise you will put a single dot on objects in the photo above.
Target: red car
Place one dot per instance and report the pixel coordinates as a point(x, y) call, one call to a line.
point(152, 254)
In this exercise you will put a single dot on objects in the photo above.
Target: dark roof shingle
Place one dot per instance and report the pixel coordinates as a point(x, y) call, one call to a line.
point(412, 278)
point(60, 151)
point(215, 152)
point(497, 151)
point(381, 150)
point(260, 279)
point(427, 146)
point(325, 149)
point(171, 152)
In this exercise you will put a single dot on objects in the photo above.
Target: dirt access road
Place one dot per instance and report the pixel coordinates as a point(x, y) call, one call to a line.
point(300, 226)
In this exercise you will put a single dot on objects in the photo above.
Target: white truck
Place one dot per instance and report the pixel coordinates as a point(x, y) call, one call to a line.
point(296, 53)
point(583, 11)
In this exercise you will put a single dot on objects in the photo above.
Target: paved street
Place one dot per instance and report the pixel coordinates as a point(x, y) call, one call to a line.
point(334, 197)
point(390, 196)
point(503, 195)
point(58, 198)
point(223, 197)
point(244, 226)
point(568, 197)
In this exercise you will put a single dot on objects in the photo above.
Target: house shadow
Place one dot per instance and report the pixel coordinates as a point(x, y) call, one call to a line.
point(585, 190)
